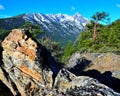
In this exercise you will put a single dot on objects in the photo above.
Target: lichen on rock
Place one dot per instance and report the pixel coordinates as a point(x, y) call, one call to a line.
point(23, 62)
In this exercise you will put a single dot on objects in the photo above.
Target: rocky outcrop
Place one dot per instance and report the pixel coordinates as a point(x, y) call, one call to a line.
point(24, 63)
point(70, 85)
point(77, 63)
point(28, 69)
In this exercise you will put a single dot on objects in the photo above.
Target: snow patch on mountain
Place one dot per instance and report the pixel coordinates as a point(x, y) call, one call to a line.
point(62, 25)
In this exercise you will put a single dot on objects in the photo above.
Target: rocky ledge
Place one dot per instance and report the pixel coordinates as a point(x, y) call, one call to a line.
point(28, 69)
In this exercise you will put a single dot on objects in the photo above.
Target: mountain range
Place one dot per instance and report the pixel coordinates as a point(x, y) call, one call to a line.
point(59, 27)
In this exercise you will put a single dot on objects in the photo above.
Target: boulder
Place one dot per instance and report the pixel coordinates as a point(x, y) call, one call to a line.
point(67, 84)
point(24, 63)
point(77, 63)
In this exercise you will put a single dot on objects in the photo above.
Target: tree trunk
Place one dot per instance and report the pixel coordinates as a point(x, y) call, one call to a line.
point(95, 32)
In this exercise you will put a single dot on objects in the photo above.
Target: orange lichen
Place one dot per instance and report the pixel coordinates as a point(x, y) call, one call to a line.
point(34, 74)
point(16, 41)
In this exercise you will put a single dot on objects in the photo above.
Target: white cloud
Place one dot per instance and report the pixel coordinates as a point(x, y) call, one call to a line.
point(118, 5)
point(1, 7)
point(72, 8)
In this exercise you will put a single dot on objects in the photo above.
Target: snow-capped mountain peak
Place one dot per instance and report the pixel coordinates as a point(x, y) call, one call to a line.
point(59, 24)
point(55, 17)
point(77, 14)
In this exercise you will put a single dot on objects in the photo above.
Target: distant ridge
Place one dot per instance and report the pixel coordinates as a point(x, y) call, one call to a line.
point(59, 27)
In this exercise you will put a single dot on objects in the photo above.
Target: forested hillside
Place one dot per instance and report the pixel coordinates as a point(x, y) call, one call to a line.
point(107, 40)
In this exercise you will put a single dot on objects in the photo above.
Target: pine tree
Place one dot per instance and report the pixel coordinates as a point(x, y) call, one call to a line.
point(99, 16)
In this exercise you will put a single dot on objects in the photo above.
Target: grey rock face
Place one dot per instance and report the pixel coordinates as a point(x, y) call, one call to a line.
point(74, 60)
point(77, 63)
point(116, 74)
point(70, 85)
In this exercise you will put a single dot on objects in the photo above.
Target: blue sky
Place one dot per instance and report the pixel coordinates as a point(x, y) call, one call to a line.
point(85, 7)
